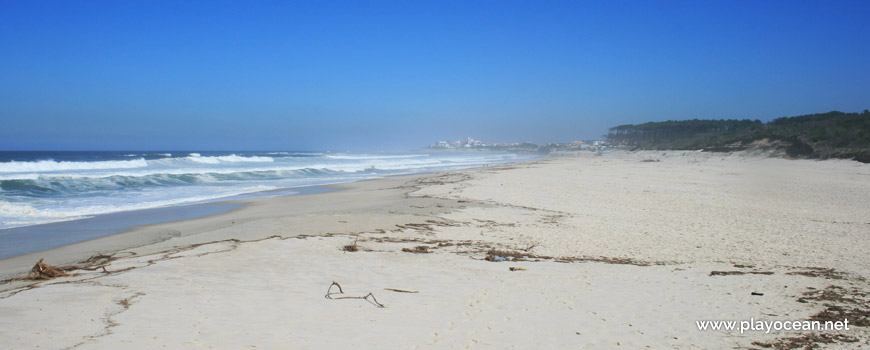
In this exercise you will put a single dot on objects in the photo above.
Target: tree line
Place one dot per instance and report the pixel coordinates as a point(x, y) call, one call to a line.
point(824, 135)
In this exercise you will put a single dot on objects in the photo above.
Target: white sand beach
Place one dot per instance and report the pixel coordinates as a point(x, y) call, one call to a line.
point(622, 250)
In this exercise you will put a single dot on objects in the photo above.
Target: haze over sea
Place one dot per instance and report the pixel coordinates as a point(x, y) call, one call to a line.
point(42, 187)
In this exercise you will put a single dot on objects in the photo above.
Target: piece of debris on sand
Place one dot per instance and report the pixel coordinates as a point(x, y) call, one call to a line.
point(43, 271)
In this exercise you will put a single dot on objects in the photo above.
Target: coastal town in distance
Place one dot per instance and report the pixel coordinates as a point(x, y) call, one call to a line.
point(470, 144)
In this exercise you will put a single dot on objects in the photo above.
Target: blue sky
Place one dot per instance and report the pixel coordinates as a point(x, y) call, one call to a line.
point(379, 75)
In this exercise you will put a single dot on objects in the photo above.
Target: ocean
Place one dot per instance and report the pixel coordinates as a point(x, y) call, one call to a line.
point(45, 187)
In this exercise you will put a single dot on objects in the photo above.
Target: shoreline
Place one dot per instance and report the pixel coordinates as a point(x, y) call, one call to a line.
point(147, 238)
point(25, 238)
point(107, 224)
point(158, 229)
point(128, 237)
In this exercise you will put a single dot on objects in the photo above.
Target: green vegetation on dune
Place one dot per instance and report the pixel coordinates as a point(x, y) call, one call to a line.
point(826, 135)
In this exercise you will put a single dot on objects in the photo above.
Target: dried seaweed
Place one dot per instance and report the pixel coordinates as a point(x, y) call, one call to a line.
point(350, 248)
point(608, 260)
point(494, 255)
point(420, 249)
point(840, 303)
point(826, 273)
point(731, 273)
point(807, 341)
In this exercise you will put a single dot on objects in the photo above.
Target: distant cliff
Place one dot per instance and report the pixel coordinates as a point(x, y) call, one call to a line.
point(826, 135)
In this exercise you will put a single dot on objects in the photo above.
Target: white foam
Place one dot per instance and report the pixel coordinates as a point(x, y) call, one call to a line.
point(20, 214)
point(234, 164)
point(26, 210)
point(373, 156)
point(52, 166)
point(229, 159)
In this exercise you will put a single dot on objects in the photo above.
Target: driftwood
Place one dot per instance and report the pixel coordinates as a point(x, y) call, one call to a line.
point(43, 271)
point(330, 293)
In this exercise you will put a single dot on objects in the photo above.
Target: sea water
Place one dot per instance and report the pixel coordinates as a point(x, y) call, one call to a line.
point(44, 187)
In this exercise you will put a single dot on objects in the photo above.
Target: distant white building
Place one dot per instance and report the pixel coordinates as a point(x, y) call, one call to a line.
point(467, 143)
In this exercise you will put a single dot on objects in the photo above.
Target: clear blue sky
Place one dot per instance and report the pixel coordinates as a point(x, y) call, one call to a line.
point(379, 75)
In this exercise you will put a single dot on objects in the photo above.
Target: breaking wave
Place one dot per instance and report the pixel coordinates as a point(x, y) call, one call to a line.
point(83, 184)
point(51, 165)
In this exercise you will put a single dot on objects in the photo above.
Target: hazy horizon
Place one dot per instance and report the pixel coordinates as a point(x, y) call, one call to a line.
point(393, 76)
